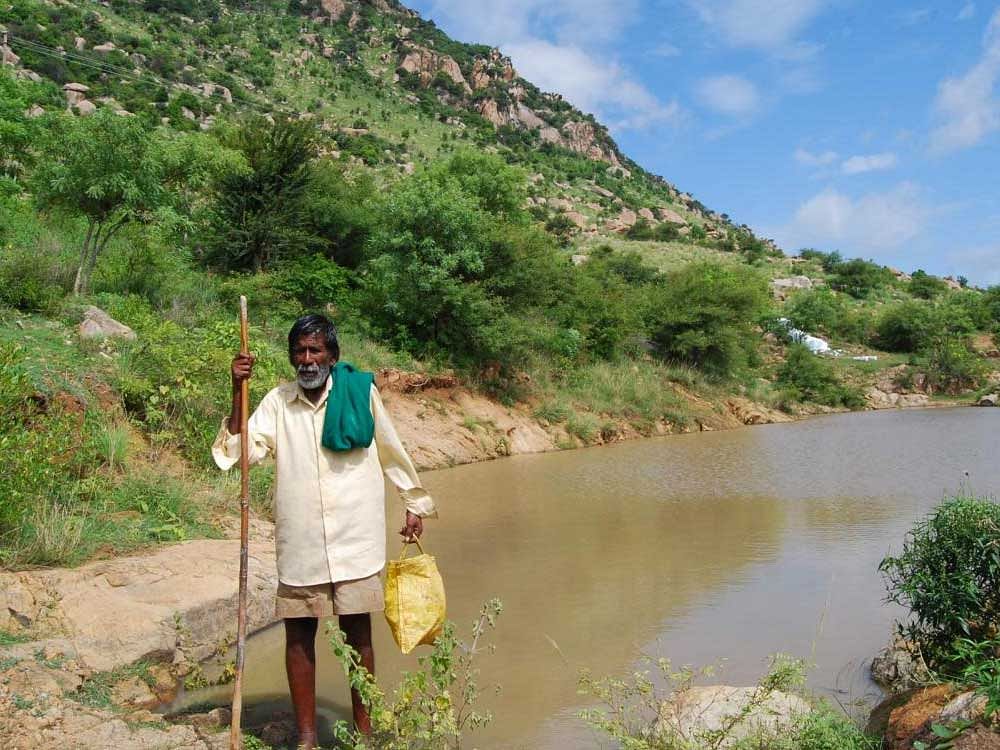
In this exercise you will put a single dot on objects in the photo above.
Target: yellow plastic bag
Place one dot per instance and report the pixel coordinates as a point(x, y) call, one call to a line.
point(414, 599)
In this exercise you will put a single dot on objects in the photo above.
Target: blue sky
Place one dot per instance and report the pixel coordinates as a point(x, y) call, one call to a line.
point(868, 128)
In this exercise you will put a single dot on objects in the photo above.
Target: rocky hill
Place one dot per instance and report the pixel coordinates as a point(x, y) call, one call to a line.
point(390, 89)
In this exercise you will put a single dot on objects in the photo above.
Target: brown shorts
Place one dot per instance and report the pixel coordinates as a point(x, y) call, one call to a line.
point(326, 599)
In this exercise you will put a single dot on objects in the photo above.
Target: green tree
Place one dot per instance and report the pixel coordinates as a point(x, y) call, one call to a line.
point(808, 377)
point(423, 282)
point(339, 206)
point(914, 325)
point(497, 187)
point(106, 168)
point(859, 278)
point(259, 212)
point(704, 314)
point(823, 311)
point(17, 130)
point(925, 286)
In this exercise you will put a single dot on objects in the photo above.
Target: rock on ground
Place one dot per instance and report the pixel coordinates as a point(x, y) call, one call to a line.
point(97, 324)
point(176, 605)
point(699, 710)
point(898, 667)
point(917, 710)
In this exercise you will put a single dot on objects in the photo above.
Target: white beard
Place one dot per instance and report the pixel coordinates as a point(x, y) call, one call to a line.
point(310, 378)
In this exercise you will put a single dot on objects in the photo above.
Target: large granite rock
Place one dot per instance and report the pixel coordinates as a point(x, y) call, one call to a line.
point(782, 288)
point(177, 605)
point(97, 324)
point(698, 711)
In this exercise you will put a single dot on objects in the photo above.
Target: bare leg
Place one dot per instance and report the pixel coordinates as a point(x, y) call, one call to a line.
point(358, 634)
point(300, 664)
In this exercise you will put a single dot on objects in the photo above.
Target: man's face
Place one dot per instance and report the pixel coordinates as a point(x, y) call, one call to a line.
point(312, 361)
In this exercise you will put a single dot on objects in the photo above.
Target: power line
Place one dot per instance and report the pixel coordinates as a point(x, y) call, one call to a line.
point(108, 68)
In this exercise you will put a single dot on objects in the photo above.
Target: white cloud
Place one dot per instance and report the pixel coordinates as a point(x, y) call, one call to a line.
point(967, 106)
point(567, 21)
point(967, 12)
point(876, 221)
point(729, 95)
point(810, 159)
point(560, 46)
point(591, 84)
point(869, 163)
point(765, 24)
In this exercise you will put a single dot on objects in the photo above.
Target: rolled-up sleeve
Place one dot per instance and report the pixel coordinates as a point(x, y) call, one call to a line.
point(396, 464)
point(262, 426)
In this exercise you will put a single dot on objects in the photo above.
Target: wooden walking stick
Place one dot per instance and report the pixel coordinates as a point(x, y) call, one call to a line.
point(235, 736)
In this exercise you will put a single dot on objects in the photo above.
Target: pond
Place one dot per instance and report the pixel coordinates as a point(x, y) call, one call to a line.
point(705, 547)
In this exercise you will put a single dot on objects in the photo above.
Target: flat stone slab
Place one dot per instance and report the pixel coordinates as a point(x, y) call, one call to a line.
point(178, 604)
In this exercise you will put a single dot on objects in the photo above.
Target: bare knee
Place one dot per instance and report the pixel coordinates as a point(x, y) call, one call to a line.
point(357, 630)
point(300, 633)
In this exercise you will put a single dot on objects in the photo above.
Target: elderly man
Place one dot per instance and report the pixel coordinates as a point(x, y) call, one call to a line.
point(332, 442)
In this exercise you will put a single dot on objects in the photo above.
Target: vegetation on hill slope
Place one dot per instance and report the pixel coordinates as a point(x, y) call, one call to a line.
point(158, 159)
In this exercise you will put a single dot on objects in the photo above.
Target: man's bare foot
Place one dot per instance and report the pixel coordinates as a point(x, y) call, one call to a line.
point(308, 742)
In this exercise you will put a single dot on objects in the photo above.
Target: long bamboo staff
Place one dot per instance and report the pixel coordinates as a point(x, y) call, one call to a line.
point(235, 736)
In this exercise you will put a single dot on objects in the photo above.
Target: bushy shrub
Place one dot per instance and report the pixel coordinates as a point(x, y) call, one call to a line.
point(258, 216)
point(859, 278)
point(38, 441)
point(914, 325)
point(824, 312)
point(423, 283)
point(952, 366)
point(703, 315)
point(925, 286)
point(29, 282)
point(807, 377)
point(948, 576)
point(339, 206)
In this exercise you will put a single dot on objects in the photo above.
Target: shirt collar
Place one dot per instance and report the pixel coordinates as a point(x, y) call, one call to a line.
point(296, 392)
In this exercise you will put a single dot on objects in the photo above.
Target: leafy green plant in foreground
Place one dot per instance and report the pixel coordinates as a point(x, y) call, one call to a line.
point(432, 707)
point(948, 576)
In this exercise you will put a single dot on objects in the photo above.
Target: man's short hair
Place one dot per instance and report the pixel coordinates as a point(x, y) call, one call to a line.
point(314, 323)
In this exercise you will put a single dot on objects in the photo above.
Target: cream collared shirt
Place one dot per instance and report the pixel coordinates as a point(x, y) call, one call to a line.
point(329, 506)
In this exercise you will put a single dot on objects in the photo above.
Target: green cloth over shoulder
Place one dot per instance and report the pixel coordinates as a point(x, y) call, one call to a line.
point(348, 422)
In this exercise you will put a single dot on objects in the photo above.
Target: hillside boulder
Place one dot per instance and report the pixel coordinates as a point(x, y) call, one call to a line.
point(991, 399)
point(75, 92)
point(493, 69)
point(669, 215)
point(528, 118)
point(97, 324)
point(783, 288)
point(427, 64)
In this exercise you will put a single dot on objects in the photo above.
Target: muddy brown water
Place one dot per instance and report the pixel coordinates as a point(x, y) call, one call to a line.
point(715, 546)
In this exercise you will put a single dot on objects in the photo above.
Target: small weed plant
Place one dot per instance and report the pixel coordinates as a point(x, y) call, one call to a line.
point(432, 708)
